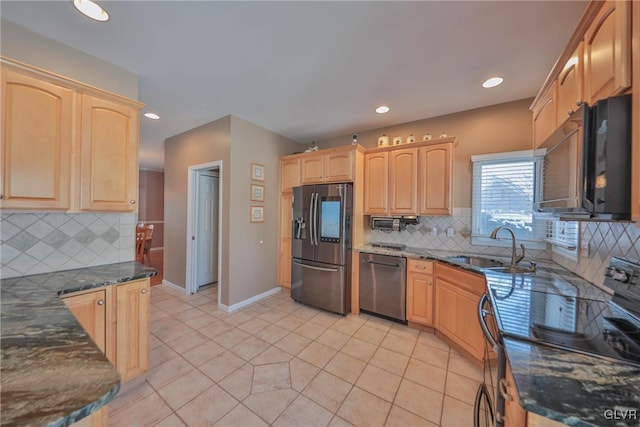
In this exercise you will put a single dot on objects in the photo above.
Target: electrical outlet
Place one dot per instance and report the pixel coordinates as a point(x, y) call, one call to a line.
point(434, 231)
point(450, 232)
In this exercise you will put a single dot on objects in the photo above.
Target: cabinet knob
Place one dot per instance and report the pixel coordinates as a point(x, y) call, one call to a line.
point(569, 112)
point(100, 302)
point(429, 283)
point(1, 196)
point(143, 291)
point(132, 202)
point(579, 102)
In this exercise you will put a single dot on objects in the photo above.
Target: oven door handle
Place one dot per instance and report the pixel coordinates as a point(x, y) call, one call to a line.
point(482, 314)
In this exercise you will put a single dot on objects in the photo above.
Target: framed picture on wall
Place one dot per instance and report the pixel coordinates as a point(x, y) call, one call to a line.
point(257, 214)
point(257, 172)
point(257, 193)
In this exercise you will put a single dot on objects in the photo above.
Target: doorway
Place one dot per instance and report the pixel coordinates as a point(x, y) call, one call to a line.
point(204, 234)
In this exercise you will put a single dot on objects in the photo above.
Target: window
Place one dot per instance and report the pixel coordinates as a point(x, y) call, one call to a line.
point(504, 186)
point(564, 238)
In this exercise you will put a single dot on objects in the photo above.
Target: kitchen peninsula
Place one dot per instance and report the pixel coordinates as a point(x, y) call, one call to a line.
point(52, 371)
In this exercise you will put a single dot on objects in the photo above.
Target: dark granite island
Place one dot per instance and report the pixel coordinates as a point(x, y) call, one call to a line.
point(52, 373)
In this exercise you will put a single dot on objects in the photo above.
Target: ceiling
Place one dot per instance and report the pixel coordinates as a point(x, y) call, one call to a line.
point(312, 70)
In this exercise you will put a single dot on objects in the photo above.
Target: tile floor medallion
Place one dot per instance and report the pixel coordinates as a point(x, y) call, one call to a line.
point(280, 363)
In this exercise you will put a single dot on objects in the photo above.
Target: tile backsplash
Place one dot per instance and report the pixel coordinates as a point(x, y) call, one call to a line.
point(606, 239)
point(33, 243)
point(420, 236)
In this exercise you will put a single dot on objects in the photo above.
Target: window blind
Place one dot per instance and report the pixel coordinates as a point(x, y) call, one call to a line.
point(503, 195)
point(564, 236)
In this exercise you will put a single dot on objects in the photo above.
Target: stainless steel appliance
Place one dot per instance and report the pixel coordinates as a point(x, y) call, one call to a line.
point(393, 224)
point(586, 171)
point(383, 285)
point(321, 246)
point(603, 328)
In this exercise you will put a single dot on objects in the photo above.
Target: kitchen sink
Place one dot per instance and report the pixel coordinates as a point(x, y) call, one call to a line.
point(478, 261)
point(511, 269)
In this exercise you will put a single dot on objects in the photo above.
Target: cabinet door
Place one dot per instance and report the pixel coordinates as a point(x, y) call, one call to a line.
point(284, 252)
point(607, 52)
point(109, 156)
point(339, 166)
point(420, 298)
point(313, 169)
point(289, 174)
point(456, 317)
point(376, 184)
point(570, 86)
point(36, 143)
point(132, 328)
point(435, 187)
point(403, 181)
point(90, 310)
point(545, 116)
point(635, 121)
point(514, 414)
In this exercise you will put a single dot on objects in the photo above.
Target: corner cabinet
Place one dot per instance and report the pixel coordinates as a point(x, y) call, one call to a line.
point(457, 296)
point(37, 132)
point(109, 156)
point(65, 145)
point(90, 309)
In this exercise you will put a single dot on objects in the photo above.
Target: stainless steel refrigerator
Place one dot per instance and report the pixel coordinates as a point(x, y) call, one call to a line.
point(321, 246)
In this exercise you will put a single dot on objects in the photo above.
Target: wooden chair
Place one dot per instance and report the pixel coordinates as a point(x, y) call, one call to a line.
point(148, 230)
point(140, 245)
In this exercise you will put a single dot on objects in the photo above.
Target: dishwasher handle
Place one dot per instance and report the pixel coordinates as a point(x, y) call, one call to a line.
point(383, 263)
point(482, 318)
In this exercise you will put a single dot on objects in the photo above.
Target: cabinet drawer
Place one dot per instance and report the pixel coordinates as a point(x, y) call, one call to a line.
point(420, 266)
point(472, 282)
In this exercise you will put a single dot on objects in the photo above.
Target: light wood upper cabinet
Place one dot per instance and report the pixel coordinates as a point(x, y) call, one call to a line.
point(420, 291)
point(435, 179)
point(36, 143)
point(545, 116)
point(376, 183)
point(133, 329)
point(289, 174)
point(403, 181)
point(335, 166)
point(570, 86)
point(90, 310)
point(109, 156)
point(284, 250)
point(607, 52)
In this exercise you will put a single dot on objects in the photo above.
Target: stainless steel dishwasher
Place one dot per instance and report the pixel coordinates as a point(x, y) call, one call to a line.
point(383, 285)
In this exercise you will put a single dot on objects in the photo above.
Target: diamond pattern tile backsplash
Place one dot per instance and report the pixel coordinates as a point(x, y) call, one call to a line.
point(33, 243)
point(606, 239)
point(420, 236)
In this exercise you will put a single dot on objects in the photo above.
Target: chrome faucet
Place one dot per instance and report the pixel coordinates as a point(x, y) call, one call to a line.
point(515, 259)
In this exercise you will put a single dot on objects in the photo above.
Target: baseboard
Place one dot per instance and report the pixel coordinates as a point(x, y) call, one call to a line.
point(173, 286)
point(248, 301)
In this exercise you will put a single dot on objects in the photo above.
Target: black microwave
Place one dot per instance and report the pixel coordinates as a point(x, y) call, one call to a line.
point(586, 167)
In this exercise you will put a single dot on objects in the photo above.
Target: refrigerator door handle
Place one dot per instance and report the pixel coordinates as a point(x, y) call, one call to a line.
point(311, 223)
point(333, 270)
point(315, 219)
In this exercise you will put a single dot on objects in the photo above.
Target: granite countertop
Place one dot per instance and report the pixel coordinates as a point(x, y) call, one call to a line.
point(569, 387)
point(52, 372)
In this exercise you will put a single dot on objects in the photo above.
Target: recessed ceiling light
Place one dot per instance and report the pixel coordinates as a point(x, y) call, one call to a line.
point(91, 9)
point(152, 116)
point(382, 109)
point(492, 82)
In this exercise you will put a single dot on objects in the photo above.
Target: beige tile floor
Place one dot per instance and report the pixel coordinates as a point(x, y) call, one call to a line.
point(280, 363)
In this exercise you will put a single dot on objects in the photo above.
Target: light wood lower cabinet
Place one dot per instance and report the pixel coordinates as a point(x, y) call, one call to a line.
point(457, 296)
point(91, 311)
point(284, 249)
point(514, 414)
point(420, 286)
point(133, 329)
